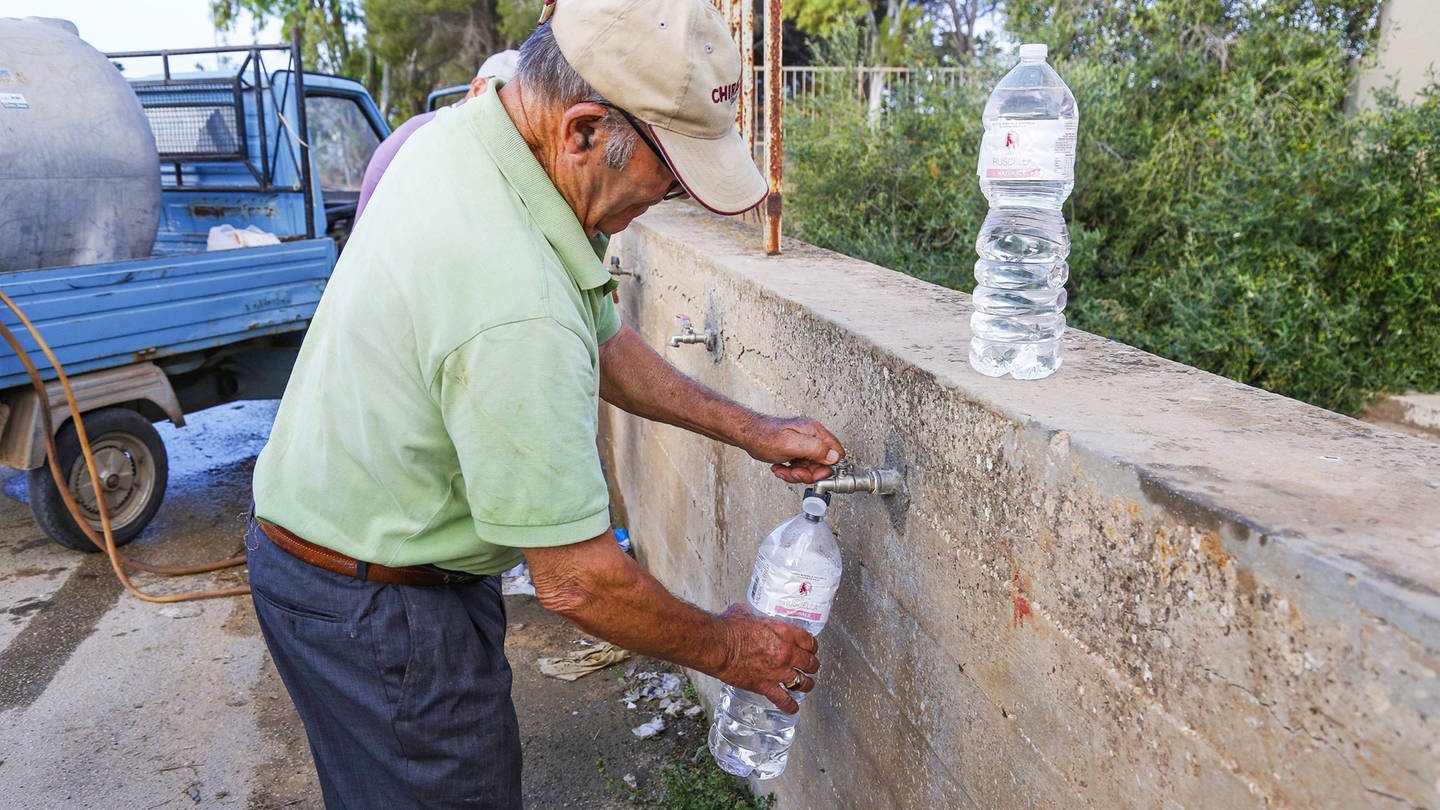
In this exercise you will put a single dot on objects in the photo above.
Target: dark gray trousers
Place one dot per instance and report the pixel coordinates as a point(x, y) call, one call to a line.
point(404, 691)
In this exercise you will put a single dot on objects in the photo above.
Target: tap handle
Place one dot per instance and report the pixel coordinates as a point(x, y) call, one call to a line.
point(617, 270)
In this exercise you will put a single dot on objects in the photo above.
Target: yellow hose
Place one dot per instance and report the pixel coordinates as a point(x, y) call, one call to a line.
point(105, 541)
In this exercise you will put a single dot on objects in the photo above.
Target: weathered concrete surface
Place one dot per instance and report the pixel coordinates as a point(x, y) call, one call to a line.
point(1133, 584)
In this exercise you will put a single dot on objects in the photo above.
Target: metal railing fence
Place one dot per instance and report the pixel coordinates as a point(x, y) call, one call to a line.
point(804, 83)
point(876, 91)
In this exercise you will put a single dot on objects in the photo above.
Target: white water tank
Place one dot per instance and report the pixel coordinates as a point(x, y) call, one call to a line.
point(79, 173)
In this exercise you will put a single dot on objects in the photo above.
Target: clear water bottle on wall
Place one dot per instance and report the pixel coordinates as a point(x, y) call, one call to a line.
point(1027, 169)
point(797, 572)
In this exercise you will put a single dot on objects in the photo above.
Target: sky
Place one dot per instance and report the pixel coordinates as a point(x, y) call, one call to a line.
point(137, 25)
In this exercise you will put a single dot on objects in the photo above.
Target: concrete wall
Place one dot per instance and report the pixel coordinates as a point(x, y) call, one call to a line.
point(1409, 49)
point(1134, 584)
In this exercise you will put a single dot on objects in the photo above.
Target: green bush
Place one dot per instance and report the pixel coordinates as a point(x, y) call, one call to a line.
point(1228, 213)
point(901, 194)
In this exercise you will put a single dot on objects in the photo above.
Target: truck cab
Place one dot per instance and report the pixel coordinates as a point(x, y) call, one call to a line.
point(345, 129)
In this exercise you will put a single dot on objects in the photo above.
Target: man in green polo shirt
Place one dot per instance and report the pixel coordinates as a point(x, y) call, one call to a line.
point(439, 426)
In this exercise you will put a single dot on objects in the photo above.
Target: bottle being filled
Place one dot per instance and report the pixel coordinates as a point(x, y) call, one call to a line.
point(797, 572)
point(1027, 169)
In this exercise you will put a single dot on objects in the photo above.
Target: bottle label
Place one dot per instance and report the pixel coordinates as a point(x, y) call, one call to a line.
point(1042, 149)
point(789, 594)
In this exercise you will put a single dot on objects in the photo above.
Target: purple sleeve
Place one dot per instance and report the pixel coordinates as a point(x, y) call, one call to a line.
point(384, 153)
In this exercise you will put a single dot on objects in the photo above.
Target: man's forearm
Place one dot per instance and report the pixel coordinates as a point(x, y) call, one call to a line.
point(604, 592)
point(628, 607)
point(635, 378)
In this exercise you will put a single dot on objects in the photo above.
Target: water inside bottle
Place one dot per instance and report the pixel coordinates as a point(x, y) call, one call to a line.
point(1026, 171)
point(750, 736)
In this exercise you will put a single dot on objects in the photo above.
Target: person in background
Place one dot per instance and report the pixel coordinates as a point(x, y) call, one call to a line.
point(501, 66)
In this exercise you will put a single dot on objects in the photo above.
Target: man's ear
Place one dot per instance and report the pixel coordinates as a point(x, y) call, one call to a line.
point(581, 128)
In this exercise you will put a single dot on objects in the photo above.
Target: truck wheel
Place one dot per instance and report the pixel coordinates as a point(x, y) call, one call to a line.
point(133, 471)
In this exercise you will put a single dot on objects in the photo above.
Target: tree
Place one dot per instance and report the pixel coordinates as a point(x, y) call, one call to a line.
point(331, 30)
point(425, 44)
point(400, 49)
point(1127, 30)
point(964, 15)
point(897, 32)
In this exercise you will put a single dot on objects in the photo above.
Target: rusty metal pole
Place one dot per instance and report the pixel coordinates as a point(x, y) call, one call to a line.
point(731, 10)
point(740, 14)
point(774, 102)
point(747, 73)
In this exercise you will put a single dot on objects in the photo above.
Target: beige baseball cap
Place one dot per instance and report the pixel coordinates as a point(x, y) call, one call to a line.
point(672, 65)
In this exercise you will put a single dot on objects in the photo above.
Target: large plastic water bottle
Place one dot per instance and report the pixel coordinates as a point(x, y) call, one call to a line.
point(1027, 169)
point(797, 571)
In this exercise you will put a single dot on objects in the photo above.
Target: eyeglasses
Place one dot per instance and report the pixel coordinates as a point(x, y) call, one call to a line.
point(676, 189)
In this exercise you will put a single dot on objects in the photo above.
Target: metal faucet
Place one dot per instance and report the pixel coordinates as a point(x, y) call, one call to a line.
point(616, 271)
point(689, 335)
point(844, 481)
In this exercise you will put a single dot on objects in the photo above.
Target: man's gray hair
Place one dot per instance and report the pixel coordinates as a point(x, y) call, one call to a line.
point(544, 71)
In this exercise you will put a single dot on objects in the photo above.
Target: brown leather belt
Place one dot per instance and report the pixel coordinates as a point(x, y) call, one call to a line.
point(334, 561)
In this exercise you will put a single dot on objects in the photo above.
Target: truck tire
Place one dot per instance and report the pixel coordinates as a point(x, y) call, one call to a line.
point(134, 469)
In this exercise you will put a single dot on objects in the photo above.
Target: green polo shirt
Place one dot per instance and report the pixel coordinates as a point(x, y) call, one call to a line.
point(444, 405)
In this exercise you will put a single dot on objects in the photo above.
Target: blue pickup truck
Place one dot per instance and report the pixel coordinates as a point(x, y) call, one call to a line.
point(168, 327)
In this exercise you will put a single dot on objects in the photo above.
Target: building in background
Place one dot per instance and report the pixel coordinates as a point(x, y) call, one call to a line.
point(1409, 54)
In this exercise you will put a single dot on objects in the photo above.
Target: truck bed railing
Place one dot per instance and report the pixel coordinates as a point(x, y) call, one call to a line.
point(202, 120)
point(197, 120)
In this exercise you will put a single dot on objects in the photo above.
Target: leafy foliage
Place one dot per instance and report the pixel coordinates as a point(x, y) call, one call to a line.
point(422, 45)
point(902, 194)
point(1228, 212)
point(330, 29)
point(896, 32)
point(400, 49)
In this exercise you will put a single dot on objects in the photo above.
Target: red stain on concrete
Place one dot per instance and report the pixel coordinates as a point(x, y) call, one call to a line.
point(1018, 587)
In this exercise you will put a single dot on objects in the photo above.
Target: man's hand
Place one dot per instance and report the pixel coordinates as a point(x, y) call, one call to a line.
point(767, 655)
point(801, 451)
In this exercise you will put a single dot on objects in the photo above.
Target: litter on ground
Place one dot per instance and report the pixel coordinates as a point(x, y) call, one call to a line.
point(665, 688)
point(517, 581)
point(647, 730)
point(581, 662)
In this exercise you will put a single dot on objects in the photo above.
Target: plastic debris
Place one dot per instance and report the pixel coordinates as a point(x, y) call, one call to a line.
point(575, 664)
point(647, 730)
point(227, 237)
point(517, 581)
point(181, 611)
point(666, 689)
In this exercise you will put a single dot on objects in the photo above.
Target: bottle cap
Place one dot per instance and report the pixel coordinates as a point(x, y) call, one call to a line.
point(815, 504)
point(1034, 50)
